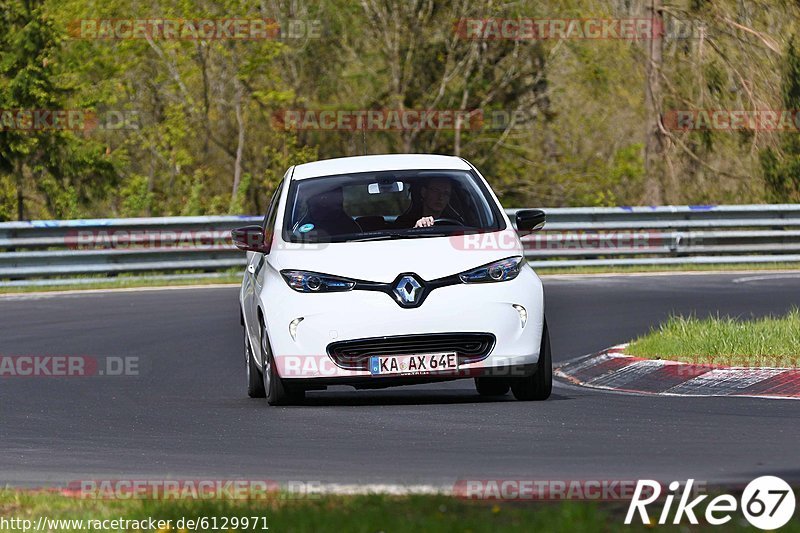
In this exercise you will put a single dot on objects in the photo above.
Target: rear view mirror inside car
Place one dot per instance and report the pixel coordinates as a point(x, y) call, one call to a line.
point(385, 187)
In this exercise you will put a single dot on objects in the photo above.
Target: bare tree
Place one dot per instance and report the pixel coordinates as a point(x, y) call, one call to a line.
point(654, 136)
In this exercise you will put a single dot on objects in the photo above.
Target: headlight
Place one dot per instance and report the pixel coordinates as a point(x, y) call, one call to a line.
point(302, 281)
point(503, 270)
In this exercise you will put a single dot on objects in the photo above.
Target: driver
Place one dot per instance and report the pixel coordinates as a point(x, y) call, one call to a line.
point(434, 200)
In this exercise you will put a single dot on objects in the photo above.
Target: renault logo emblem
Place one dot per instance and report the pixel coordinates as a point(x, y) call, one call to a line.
point(408, 290)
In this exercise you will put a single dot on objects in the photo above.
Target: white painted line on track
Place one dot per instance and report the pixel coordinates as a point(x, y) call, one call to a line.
point(589, 276)
point(725, 381)
point(606, 390)
point(627, 374)
point(382, 488)
point(749, 279)
point(79, 292)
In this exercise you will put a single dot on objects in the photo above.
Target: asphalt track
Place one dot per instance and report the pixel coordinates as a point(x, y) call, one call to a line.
point(187, 415)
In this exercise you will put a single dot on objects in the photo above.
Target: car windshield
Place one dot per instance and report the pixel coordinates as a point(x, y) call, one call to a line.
point(388, 205)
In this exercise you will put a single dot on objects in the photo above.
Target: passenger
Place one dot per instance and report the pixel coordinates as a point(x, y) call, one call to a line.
point(326, 214)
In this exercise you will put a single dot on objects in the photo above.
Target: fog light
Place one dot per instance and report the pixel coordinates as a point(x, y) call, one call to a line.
point(523, 314)
point(293, 327)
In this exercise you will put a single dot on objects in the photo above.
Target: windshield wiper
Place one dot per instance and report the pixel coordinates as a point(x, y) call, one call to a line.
point(388, 236)
point(383, 237)
point(425, 234)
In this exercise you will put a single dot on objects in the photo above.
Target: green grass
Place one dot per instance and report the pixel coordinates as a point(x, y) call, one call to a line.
point(365, 513)
point(768, 342)
point(125, 283)
point(368, 513)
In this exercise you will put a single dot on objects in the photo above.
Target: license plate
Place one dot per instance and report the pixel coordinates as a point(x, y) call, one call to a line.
point(412, 364)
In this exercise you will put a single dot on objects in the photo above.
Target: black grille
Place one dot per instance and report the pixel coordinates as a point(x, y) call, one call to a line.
point(355, 354)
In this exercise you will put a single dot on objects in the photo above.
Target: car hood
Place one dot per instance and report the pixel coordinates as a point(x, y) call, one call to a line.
point(382, 261)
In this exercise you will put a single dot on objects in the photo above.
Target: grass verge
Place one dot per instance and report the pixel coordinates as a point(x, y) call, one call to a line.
point(130, 282)
point(364, 513)
point(763, 342)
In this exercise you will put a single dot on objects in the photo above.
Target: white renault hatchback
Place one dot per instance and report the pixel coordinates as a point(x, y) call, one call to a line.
point(387, 270)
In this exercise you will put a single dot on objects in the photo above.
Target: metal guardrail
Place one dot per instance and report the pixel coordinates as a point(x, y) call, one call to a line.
point(32, 253)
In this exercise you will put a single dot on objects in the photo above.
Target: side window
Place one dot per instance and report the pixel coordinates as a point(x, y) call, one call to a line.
point(272, 213)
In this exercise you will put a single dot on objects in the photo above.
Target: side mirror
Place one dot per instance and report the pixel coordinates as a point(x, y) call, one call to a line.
point(529, 220)
point(250, 239)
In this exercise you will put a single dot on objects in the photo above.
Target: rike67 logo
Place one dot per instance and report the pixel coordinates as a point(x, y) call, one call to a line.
point(767, 503)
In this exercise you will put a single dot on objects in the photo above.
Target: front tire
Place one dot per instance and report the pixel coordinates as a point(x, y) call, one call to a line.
point(538, 386)
point(277, 392)
point(255, 383)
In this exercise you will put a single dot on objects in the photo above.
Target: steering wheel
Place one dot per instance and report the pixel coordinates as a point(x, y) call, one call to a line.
point(450, 221)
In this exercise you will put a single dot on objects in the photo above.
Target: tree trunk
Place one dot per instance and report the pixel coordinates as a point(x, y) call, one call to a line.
point(654, 142)
point(237, 166)
point(20, 194)
point(462, 107)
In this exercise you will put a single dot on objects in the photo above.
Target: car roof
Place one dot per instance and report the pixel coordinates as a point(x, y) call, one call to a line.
point(374, 163)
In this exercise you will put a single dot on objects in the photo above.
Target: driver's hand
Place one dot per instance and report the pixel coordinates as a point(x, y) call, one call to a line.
point(424, 222)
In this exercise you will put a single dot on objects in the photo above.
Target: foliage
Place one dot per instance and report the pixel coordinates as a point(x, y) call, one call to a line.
point(782, 167)
point(193, 129)
point(59, 168)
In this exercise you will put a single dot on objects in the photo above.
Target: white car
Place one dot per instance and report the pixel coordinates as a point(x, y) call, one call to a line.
point(387, 270)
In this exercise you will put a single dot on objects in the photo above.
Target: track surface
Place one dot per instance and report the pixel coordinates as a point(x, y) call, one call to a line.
point(187, 416)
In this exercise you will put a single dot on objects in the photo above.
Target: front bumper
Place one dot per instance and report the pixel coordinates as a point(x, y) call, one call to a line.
point(336, 317)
